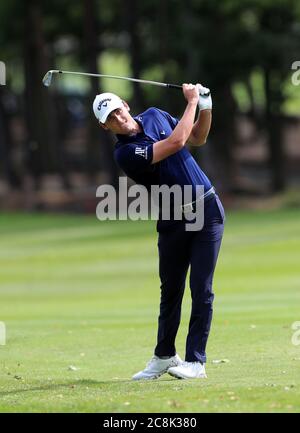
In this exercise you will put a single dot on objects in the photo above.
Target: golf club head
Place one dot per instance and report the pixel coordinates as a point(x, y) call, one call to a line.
point(48, 78)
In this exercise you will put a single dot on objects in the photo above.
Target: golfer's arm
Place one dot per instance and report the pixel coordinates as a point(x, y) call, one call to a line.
point(201, 128)
point(164, 148)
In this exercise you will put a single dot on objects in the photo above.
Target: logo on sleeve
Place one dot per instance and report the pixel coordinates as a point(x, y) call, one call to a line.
point(141, 151)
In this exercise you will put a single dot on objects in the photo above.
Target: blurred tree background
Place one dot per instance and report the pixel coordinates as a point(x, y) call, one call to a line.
point(53, 154)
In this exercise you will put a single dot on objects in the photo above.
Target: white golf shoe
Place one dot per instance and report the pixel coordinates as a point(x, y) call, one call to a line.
point(188, 370)
point(156, 367)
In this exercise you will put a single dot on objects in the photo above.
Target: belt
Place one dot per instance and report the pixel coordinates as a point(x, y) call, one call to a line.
point(190, 207)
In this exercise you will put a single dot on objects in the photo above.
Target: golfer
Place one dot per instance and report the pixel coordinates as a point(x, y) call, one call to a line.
point(151, 149)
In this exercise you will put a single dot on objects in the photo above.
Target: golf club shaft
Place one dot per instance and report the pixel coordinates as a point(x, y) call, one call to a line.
point(137, 80)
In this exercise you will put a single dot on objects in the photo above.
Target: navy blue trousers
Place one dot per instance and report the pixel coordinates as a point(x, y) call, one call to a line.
point(179, 249)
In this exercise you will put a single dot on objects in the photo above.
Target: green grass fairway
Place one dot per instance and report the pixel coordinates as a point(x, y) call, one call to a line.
point(78, 292)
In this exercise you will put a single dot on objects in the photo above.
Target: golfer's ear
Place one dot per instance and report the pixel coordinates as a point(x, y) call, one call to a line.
point(126, 105)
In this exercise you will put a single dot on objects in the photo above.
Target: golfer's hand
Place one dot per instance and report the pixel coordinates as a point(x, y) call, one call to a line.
point(191, 93)
point(205, 101)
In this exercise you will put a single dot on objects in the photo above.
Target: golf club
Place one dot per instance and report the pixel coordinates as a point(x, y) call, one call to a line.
point(49, 75)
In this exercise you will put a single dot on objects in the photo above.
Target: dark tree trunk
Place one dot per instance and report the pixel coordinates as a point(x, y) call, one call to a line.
point(132, 20)
point(274, 125)
point(172, 99)
point(223, 138)
point(100, 143)
point(6, 146)
point(42, 142)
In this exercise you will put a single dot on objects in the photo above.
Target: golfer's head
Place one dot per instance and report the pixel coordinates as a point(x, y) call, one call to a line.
point(104, 104)
point(111, 112)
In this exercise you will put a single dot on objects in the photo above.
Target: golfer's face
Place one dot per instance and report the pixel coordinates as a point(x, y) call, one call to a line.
point(119, 121)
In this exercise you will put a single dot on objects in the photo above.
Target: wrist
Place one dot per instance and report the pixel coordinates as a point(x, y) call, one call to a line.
point(192, 103)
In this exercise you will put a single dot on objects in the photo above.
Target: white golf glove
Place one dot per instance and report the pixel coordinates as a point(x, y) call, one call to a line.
point(205, 101)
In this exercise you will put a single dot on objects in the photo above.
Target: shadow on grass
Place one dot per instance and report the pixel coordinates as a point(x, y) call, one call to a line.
point(78, 383)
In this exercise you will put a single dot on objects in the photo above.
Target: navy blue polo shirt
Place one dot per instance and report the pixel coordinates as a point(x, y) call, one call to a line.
point(134, 155)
